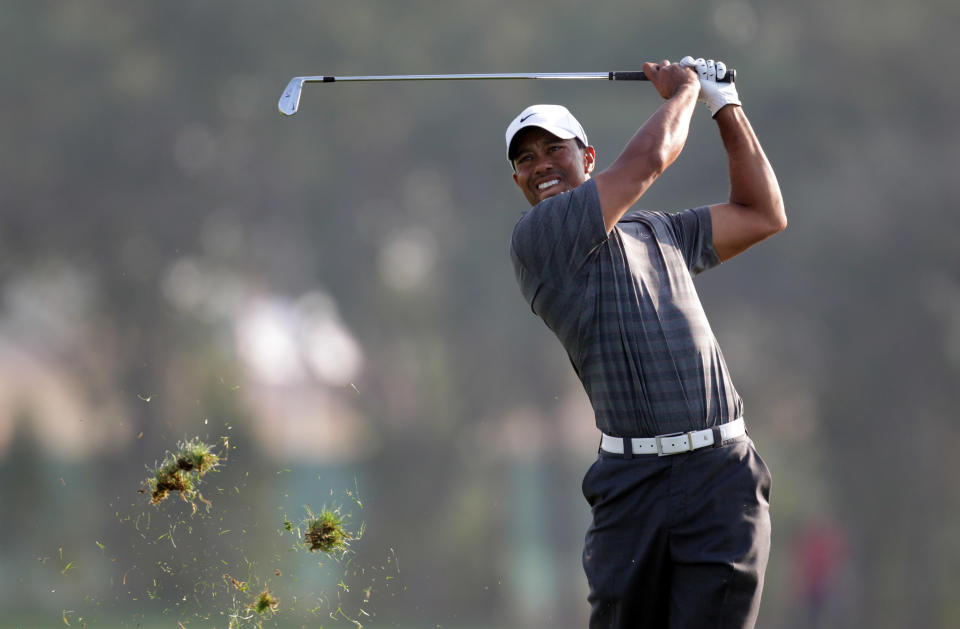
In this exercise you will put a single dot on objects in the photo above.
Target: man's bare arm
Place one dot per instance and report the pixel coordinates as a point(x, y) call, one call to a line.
point(755, 210)
point(655, 146)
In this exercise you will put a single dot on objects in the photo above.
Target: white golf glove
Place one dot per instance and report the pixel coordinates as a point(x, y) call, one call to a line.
point(715, 94)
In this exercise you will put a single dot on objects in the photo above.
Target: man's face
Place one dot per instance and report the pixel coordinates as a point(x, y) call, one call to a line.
point(544, 165)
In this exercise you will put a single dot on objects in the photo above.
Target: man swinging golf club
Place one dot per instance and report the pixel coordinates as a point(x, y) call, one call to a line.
point(681, 528)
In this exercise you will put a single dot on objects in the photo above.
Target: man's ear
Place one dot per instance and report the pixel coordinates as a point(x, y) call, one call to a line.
point(589, 159)
point(515, 179)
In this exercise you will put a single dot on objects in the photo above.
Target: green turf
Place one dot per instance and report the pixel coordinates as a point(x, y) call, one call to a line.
point(55, 621)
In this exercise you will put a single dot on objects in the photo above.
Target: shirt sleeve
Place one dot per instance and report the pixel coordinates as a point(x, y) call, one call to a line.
point(693, 232)
point(553, 240)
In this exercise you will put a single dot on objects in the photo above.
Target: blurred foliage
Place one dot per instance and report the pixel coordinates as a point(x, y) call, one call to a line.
point(150, 194)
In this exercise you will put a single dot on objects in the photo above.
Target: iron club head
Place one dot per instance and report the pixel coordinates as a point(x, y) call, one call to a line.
point(290, 100)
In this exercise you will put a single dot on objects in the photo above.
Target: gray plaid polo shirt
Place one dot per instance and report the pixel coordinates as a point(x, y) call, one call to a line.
point(625, 309)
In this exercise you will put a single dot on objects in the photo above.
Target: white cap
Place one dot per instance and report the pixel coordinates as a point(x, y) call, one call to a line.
point(556, 119)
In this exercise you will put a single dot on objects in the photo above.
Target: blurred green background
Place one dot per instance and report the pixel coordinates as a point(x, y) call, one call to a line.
point(332, 292)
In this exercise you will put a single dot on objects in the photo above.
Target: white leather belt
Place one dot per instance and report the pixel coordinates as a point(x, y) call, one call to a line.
point(675, 443)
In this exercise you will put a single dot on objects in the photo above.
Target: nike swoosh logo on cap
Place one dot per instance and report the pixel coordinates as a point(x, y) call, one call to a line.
point(527, 116)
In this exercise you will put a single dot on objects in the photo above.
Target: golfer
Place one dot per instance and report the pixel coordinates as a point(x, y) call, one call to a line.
point(681, 528)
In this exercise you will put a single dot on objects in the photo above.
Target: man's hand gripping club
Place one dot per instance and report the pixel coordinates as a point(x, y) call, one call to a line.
point(715, 94)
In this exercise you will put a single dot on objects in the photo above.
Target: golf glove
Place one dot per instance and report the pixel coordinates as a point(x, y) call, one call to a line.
point(716, 95)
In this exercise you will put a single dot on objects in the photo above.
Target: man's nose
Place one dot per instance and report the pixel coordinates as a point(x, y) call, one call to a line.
point(542, 163)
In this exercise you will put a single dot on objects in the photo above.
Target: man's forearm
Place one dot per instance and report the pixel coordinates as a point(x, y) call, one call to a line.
point(658, 143)
point(650, 151)
point(753, 183)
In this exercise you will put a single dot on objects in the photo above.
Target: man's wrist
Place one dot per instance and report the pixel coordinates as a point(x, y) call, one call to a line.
point(687, 90)
point(726, 111)
point(718, 101)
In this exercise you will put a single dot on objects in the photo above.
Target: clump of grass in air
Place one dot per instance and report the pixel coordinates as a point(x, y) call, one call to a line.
point(165, 481)
point(240, 586)
point(196, 456)
point(181, 471)
point(326, 532)
point(265, 602)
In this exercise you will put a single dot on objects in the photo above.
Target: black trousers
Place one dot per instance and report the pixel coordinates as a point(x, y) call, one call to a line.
point(677, 541)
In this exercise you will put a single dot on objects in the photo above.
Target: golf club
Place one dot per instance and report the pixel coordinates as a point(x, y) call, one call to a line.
point(290, 101)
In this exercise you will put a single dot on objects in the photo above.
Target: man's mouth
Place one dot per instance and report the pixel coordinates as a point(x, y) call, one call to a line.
point(547, 184)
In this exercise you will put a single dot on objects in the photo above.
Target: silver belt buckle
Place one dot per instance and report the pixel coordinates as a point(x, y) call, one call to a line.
point(659, 440)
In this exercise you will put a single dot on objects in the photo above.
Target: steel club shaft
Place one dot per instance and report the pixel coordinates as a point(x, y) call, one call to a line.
point(290, 100)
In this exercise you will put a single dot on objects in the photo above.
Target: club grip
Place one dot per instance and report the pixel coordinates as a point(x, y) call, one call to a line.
point(729, 77)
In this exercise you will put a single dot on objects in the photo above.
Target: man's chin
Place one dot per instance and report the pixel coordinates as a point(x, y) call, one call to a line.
point(536, 196)
point(552, 192)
